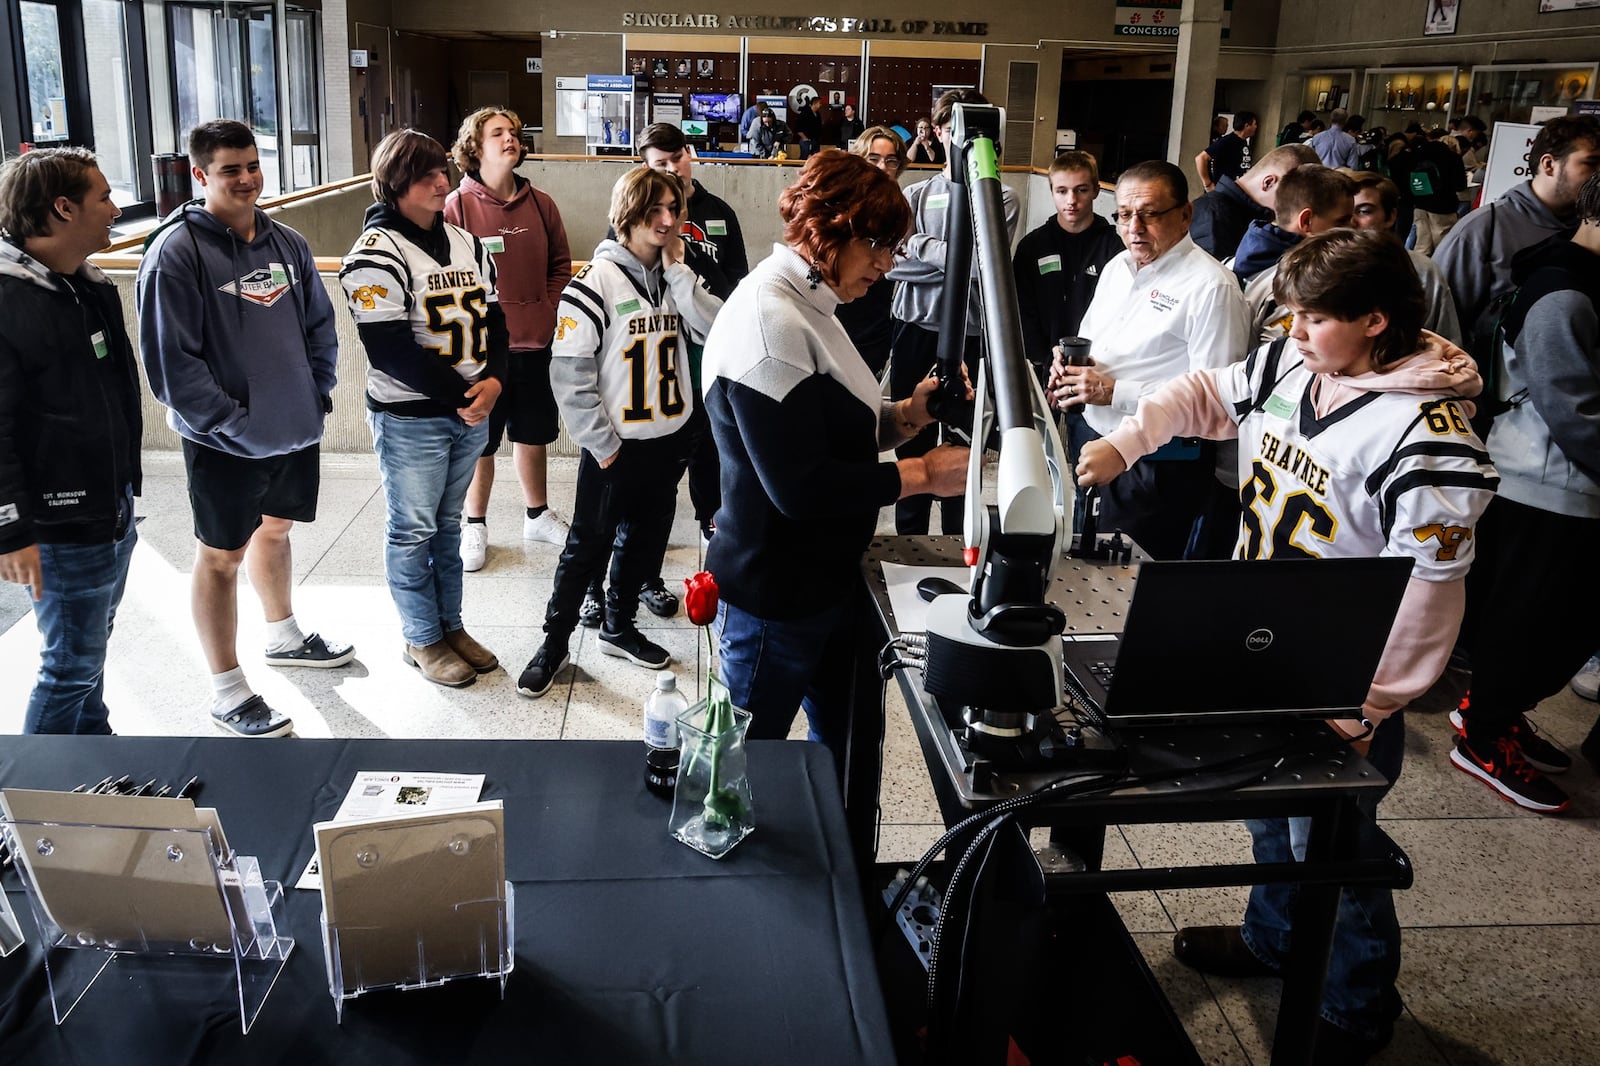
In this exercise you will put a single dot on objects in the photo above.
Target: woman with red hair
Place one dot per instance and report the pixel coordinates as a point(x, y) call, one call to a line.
point(799, 421)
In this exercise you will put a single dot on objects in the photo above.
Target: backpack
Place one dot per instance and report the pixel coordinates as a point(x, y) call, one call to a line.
point(1425, 178)
point(1486, 343)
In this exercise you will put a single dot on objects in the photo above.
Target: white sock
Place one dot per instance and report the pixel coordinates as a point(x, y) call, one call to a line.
point(284, 635)
point(229, 690)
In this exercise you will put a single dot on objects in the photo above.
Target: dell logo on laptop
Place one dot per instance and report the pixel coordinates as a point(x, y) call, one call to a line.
point(1258, 640)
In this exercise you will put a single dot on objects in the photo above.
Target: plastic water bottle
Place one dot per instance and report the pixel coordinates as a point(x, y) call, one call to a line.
point(661, 710)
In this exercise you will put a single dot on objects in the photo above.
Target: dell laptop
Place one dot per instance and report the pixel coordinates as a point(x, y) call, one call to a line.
point(1238, 640)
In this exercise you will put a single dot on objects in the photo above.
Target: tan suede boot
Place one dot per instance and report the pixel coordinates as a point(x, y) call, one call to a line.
point(471, 652)
point(441, 665)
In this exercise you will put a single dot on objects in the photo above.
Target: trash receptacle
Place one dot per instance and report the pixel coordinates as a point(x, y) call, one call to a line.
point(173, 187)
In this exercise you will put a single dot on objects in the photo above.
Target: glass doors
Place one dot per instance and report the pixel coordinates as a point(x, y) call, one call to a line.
point(227, 63)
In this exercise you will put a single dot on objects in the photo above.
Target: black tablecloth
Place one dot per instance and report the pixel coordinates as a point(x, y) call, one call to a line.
point(630, 947)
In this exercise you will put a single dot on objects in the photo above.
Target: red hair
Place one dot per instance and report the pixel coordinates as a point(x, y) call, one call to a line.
point(839, 198)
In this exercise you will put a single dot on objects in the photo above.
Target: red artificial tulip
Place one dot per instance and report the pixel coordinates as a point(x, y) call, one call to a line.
point(700, 598)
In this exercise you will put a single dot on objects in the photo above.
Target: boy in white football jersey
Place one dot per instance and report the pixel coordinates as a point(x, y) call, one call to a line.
point(1352, 444)
point(422, 293)
point(621, 375)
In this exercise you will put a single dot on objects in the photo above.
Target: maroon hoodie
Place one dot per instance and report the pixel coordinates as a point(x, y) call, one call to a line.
point(534, 264)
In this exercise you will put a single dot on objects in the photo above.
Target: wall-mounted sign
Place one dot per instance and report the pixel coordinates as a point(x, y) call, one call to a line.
point(358, 58)
point(535, 65)
point(1565, 5)
point(1159, 18)
point(690, 20)
point(1440, 18)
point(608, 109)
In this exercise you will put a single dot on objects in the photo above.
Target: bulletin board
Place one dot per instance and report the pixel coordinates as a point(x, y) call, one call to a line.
point(903, 86)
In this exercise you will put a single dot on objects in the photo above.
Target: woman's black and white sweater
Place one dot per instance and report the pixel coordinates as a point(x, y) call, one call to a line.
point(799, 422)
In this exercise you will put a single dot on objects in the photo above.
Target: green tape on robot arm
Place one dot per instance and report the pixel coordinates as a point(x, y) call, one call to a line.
point(981, 161)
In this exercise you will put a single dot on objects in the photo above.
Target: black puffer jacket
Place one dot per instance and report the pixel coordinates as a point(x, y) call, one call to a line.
point(70, 422)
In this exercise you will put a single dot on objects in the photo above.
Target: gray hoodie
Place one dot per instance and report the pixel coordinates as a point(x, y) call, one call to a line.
point(1476, 254)
point(675, 289)
point(237, 337)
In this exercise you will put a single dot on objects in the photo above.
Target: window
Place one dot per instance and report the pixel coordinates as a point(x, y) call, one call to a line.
point(105, 39)
point(47, 85)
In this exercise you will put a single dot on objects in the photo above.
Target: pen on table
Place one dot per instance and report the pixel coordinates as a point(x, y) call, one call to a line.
point(100, 785)
point(190, 788)
point(144, 788)
point(116, 787)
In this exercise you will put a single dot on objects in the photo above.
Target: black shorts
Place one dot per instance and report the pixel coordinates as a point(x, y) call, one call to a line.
point(526, 410)
point(230, 493)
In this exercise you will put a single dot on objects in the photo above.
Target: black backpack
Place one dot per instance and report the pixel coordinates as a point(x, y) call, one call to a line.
point(1486, 343)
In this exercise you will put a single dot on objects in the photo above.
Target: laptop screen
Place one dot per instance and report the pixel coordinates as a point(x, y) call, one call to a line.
point(1235, 640)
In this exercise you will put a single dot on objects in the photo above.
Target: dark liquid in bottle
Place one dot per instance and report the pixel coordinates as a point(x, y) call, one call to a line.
point(661, 770)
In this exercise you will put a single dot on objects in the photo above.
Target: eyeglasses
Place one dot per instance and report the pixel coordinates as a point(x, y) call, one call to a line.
point(885, 162)
point(1124, 218)
point(897, 247)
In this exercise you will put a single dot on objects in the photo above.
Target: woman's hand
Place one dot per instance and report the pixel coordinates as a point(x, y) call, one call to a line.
point(916, 413)
point(1098, 463)
point(941, 472)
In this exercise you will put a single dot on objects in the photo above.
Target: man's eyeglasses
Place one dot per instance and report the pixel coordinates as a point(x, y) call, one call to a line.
point(1124, 218)
point(886, 162)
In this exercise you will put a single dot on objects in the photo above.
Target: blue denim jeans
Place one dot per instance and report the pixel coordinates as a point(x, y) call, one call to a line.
point(83, 585)
point(1359, 994)
point(426, 464)
point(774, 668)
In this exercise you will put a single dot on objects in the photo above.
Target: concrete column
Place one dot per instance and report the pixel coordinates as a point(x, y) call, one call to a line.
point(1195, 87)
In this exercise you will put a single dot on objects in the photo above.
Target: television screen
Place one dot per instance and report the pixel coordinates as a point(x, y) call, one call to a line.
point(694, 127)
point(715, 107)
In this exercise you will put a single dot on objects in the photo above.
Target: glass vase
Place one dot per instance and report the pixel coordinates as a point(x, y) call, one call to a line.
point(712, 809)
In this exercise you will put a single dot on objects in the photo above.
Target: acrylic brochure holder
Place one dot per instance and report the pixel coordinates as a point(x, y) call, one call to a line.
point(10, 930)
point(138, 887)
point(413, 902)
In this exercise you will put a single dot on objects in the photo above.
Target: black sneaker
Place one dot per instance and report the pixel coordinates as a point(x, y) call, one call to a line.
point(541, 671)
point(632, 645)
point(1506, 770)
point(593, 609)
point(1540, 753)
point(657, 600)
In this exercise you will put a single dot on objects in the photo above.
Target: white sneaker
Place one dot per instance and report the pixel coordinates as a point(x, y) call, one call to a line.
point(474, 545)
point(1586, 682)
point(548, 527)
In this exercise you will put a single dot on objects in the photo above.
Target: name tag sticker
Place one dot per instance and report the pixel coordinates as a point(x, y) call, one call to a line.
point(1279, 406)
point(1050, 264)
point(494, 245)
point(98, 339)
point(280, 276)
point(717, 227)
point(631, 307)
point(938, 201)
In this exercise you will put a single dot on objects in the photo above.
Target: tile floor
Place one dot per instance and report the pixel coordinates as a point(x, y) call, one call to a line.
point(1502, 948)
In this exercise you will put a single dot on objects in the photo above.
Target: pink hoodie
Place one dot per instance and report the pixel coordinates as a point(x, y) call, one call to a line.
point(1430, 613)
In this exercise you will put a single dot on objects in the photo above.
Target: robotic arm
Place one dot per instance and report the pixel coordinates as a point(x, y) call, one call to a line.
point(994, 657)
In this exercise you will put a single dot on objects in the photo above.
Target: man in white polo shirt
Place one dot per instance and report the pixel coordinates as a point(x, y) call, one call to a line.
point(1163, 307)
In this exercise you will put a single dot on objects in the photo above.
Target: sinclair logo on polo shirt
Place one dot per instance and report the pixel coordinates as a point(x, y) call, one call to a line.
point(263, 286)
point(1162, 301)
